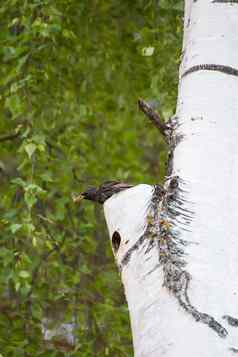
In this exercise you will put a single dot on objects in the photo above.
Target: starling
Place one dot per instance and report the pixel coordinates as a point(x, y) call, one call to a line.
point(103, 192)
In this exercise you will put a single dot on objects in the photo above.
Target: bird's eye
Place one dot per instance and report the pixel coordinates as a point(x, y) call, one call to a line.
point(116, 241)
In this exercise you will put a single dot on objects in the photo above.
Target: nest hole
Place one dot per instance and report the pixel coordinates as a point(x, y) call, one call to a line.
point(116, 241)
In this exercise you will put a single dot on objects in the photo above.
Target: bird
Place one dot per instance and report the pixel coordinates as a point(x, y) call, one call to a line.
point(103, 192)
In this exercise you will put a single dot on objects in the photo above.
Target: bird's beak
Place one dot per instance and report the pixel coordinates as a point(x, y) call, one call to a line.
point(77, 198)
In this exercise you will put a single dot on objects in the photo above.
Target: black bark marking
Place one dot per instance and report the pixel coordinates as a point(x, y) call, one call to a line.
point(146, 260)
point(197, 118)
point(212, 67)
point(226, 1)
point(150, 245)
point(176, 278)
point(232, 321)
point(150, 237)
point(171, 249)
point(152, 270)
point(233, 349)
point(125, 260)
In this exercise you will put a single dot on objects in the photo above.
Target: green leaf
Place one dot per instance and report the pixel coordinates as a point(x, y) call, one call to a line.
point(15, 227)
point(37, 312)
point(47, 176)
point(17, 285)
point(148, 51)
point(29, 227)
point(15, 105)
point(24, 274)
point(30, 149)
point(19, 182)
point(30, 199)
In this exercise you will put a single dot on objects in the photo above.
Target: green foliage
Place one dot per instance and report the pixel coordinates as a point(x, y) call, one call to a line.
point(71, 74)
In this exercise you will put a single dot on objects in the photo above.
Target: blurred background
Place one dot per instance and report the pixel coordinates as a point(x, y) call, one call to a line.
point(70, 76)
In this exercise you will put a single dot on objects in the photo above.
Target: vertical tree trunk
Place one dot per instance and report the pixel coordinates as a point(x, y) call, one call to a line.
point(177, 246)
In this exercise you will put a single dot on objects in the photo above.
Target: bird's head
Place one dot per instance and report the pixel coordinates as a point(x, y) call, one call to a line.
point(89, 194)
point(103, 192)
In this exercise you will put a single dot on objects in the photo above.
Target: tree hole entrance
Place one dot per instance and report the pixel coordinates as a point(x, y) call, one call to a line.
point(116, 241)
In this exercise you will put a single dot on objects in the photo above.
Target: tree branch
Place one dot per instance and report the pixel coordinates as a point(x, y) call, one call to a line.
point(9, 136)
point(154, 117)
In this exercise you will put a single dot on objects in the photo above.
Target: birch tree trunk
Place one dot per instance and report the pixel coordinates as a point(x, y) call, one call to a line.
point(177, 246)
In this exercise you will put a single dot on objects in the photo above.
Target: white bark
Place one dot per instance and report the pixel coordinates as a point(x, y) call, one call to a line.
point(206, 161)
